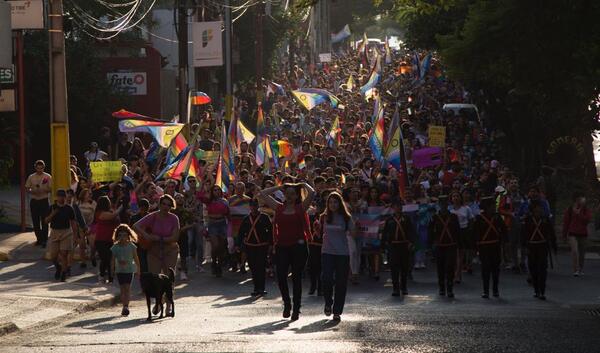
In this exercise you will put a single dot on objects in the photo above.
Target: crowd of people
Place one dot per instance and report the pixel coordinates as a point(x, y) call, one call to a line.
point(328, 212)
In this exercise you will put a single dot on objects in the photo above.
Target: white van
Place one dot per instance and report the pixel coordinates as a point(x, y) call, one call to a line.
point(455, 108)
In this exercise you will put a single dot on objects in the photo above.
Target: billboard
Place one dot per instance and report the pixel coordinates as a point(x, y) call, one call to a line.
point(208, 44)
point(27, 14)
point(130, 83)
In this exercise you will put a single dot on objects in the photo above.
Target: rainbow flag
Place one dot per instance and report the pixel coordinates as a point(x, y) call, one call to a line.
point(162, 132)
point(261, 137)
point(311, 97)
point(199, 98)
point(334, 137)
point(376, 141)
point(392, 153)
point(221, 179)
point(301, 163)
point(282, 148)
point(243, 134)
point(227, 154)
point(424, 66)
point(125, 114)
point(371, 83)
point(176, 170)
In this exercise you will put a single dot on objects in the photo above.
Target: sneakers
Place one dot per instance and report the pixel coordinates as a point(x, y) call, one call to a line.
point(576, 274)
point(327, 310)
point(337, 318)
point(183, 276)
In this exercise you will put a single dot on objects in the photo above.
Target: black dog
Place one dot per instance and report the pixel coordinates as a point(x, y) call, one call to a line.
point(155, 286)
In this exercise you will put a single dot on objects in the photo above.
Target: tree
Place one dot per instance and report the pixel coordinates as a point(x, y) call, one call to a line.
point(534, 68)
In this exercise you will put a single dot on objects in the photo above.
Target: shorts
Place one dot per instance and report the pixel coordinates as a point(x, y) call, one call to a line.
point(218, 228)
point(124, 278)
point(60, 240)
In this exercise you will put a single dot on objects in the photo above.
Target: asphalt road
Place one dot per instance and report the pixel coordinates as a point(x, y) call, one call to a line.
point(217, 315)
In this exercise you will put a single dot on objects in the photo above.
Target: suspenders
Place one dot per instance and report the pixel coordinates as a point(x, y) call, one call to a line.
point(445, 231)
point(399, 231)
point(537, 231)
point(253, 232)
point(490, 228)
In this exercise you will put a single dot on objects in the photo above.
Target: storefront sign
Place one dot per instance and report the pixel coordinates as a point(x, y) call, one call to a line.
point(130, 83)
point(208, 46)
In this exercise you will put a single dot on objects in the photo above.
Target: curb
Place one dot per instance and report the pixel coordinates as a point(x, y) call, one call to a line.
point(7, 328)
point(4, 256)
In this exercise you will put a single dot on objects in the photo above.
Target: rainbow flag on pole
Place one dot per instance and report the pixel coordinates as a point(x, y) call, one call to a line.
point(311, 97)
point(162, 132)
point(392, 153)
point(261, 137)
point(371, 83)
point(376, 141)
point(282, 148)
point(199, 98)
point(334, 138)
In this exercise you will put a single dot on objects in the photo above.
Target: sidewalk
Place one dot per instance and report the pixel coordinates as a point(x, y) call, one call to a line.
point(31, 296)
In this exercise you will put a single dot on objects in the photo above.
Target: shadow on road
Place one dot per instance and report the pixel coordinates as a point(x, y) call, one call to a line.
point(109, 323)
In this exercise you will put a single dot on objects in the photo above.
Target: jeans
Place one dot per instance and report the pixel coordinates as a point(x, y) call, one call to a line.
point(103, 248)
point(314, 267)
point(195, 244)
point(335, 270)
point(40, 209)
point(293, 256)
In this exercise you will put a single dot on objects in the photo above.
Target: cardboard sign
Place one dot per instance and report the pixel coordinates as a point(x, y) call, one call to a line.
point(106, 171)
point(437, 136)
point(211, 157)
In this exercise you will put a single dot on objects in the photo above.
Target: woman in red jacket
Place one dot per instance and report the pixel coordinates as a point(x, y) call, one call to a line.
point(291, 232)
point(575, 222)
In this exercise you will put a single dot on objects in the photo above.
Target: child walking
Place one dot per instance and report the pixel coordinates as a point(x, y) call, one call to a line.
point(125, 262)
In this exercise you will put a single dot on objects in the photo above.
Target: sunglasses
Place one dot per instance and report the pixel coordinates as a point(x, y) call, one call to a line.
point(166, 204)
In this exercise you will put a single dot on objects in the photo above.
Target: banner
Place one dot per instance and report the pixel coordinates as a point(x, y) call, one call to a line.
point(207, 44)
point(106, 171)
point(427, 157)
point(211, 157)
point(240, 210)
point(437, 136)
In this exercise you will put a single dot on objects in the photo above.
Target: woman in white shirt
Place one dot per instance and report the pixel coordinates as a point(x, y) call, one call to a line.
point(465, 217)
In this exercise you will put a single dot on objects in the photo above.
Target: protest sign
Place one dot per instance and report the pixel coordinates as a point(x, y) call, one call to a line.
point(106, 171)
point(211, 157)
point(437, 136)
point(427, 157)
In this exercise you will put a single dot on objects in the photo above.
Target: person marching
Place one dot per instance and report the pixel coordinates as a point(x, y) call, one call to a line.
point(291, 231)
point(337, 225)
point(490, 233)
point(537, 234)
point(62, 227)
point(255, 237)
point(398, 236)
point(444, 230)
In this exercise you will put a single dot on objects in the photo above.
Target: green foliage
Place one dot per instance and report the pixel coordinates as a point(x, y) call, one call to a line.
point(534, 68)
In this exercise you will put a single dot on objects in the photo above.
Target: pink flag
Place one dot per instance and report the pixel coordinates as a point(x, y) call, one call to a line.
point(427, 157)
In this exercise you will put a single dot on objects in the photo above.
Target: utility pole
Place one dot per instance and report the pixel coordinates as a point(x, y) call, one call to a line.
point(258, 49)
point(182, 37)
point(59, 127)
point(228, 63)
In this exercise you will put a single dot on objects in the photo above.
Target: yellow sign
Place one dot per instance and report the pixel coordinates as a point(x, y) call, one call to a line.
point(106, 171)
point(437, 136)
